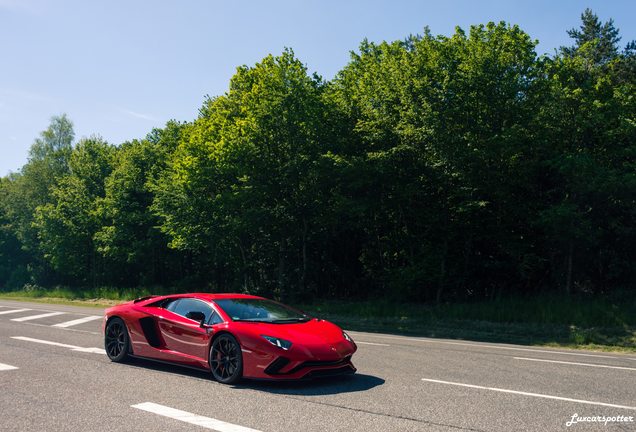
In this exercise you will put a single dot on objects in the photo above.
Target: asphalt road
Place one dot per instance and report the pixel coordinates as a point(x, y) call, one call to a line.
point(57, 378)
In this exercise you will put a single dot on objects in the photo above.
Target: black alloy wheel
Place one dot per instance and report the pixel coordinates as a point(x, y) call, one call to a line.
point(226, 359)
point(116, 340)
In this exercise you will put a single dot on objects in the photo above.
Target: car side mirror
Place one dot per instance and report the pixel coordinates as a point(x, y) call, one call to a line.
point(196, 316)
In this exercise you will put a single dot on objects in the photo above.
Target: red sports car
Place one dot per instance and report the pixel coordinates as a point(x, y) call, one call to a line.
point(232, 335)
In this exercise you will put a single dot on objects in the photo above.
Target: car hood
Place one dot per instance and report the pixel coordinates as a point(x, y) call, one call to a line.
point(318, 339)
point(314, 331)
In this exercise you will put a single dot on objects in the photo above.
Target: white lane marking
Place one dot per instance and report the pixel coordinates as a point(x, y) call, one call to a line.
point(477, 345)
point(184, 416)
point(371, 343)
point(13, 311)
point(537, 395)
point(66, 329)
point(91, 350)
point(78, 321)
point(34, 317)
point(574, 363)
point(63, 345)
point(6, 367)
point(28, 339)
point(34, 308)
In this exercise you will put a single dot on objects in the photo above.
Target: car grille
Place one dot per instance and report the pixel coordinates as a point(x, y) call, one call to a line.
point(345, 361)
point(322, 373)
point(275, 367)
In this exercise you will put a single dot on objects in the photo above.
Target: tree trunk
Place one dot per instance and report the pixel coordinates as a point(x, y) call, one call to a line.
point(568, 280)
point(281, 266)
point(243, 258)
point(303, 273)
point(442, 274)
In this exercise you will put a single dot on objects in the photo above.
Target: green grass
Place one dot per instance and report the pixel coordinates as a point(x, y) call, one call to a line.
point(546, 320)
point(541, 309)
point(607, 323)
point(101, 296)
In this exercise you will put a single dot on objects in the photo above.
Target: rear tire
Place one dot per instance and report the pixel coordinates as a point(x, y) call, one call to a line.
point(116, 340)
point(226, 359)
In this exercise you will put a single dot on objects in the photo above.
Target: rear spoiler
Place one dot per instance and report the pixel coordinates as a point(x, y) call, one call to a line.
point(144, 298)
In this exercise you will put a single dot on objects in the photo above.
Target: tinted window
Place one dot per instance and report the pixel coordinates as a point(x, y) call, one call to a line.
point(215, 319)
point(184, 306)
point(260, 310)
point(170, 304)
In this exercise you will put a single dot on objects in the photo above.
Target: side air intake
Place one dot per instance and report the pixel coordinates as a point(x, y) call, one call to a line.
point(149, 327)
point(275, 366)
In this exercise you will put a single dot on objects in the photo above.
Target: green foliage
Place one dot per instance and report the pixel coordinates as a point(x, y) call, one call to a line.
point(13, 260)
point(242, 191)
point(594, 40)
point(129, 236)
point(25, 191)
point(431, 169)
point(441, 124)
point(66, 225)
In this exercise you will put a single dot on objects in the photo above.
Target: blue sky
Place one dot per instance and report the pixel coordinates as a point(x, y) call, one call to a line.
point(120, 68)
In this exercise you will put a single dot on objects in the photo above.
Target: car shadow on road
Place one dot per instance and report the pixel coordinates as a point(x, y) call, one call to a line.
point(173, 369)
point(317, 387)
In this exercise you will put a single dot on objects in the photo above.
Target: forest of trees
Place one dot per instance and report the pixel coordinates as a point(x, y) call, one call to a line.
point(429, 169)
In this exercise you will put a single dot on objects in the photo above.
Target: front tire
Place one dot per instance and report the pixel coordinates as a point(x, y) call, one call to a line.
point(226, 359)
point(116, 340)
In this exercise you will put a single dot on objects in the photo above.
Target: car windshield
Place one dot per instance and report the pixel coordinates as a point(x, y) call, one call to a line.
point(260, 310)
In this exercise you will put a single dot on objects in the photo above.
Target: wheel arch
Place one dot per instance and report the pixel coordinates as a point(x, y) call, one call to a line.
point(111, 318)
point(220, 333)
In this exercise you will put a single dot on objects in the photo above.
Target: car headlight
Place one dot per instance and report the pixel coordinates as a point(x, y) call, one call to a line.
point(280, 343)
point(347, 337)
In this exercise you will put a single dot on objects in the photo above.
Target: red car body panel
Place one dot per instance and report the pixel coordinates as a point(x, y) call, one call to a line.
point(318, 347)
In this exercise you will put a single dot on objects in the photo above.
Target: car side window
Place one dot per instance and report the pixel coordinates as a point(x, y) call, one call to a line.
point(190, 308)
point(215, 319)
point(170, 304)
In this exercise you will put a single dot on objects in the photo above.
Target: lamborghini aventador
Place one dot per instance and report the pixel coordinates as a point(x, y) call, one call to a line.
point(231, 335)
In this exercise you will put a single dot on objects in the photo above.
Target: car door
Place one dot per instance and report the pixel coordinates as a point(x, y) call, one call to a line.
point(181, 329)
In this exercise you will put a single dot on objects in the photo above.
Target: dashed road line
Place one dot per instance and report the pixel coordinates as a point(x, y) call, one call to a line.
point(371, 343)
point(478, 345)
point(63, 345)
point(537, 395)
point(34, 317)
point(187, 417)
point(28, 339)
point(78, 321)
point(65, 329)
point(574, 363)
point(6, 367)
point(13, 311)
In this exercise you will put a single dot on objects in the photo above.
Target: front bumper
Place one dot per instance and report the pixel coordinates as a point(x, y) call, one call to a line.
point(283, 368)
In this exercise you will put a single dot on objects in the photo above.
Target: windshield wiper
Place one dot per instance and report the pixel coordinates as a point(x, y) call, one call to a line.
point(276, 321)
point(252, 320)
point(291, 320)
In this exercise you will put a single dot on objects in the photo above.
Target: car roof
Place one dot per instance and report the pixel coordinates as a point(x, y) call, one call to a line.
point(219, 296)
point(210, 296)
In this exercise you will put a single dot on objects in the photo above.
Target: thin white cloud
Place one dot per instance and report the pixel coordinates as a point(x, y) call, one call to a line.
point(23, 94)
point(28, 6)
point(139, 115)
